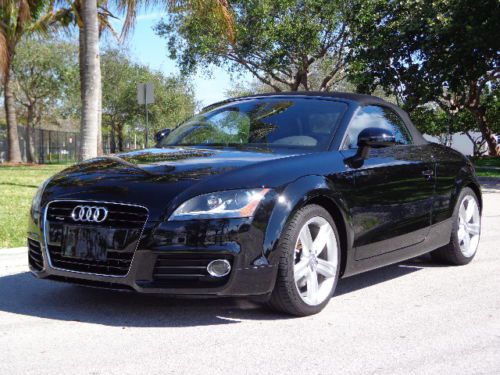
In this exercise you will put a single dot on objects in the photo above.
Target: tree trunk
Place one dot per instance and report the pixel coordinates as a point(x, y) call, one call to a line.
point(30, 140)
point(100, 146)
point(112, 139)
point(120, 137)
point(90, 82)
point(14, 152)
point(479, 114)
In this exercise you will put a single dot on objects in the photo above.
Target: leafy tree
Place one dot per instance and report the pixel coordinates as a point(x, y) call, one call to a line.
point(174, 99)
point(17, 18)
point(43, 71)
point(441, 51)
point(282, 43)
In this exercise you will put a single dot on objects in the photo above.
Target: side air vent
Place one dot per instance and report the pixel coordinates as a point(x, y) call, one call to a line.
point(35, 258)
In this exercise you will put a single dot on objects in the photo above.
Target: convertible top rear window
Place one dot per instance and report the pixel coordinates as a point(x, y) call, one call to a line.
point(276, 122)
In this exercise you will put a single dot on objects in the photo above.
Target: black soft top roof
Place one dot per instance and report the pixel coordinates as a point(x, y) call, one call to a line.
point(359, 98)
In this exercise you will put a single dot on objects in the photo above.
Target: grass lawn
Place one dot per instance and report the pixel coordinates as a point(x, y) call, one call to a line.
point(487, 167)
point(18, 184)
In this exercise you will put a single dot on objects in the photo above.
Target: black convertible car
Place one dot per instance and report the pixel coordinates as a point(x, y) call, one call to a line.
point(274, 196)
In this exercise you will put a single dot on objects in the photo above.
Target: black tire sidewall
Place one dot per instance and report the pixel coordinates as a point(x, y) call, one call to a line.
point(295, 225)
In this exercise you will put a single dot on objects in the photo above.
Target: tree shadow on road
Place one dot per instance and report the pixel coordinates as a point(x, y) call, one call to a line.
point(23, 294)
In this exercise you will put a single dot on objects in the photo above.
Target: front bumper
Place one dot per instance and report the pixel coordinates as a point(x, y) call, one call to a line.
point(239, 240)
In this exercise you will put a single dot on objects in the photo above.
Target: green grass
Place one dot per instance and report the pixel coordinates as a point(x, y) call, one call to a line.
point(487, 166)
point(18, 184)
point(488, 162)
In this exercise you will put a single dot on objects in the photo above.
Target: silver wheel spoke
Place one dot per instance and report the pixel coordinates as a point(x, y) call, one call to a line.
point(300, 269)
point(462, 213)
point(306, 239)
point(466, 241)
point(461, 233)
point(469, 213)
point(321, 239)
point(312, 286)
point(473, 229)
point(326, 269)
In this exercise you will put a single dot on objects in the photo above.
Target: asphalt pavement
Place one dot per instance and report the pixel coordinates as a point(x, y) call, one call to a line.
point(411, 318)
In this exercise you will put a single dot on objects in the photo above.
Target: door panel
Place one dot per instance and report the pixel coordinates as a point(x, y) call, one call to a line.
point(392, 199)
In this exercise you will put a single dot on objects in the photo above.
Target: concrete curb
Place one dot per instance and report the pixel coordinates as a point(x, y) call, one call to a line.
point(13, 251)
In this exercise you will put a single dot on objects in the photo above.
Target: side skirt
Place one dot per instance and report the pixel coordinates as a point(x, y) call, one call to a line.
point(439, 235)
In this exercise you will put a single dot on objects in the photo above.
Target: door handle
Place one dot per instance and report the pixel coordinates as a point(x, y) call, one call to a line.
point(428, 173)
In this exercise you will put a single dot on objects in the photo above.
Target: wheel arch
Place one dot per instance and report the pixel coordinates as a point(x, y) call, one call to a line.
point(304, 191)
point(477, 190)
point(329, 205)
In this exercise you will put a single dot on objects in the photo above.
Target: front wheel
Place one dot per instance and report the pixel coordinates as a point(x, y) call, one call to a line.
point(309, 263)
point(466, 230)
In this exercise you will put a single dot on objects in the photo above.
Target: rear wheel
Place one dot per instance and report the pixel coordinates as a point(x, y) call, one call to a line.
point(309, 263)
point(465, 233)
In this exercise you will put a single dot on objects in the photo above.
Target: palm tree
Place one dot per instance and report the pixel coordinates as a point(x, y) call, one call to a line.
point(92, 14)
point(91, 79)
point(17, 18)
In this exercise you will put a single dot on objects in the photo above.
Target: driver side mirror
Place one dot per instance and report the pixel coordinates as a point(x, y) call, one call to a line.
point(161, 134)
point(370, 138)
point(374, 138)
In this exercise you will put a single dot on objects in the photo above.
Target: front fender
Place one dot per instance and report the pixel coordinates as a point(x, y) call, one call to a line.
point(296, 195)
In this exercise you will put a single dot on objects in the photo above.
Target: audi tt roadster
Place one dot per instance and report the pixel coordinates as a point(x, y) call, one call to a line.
point(276, 196)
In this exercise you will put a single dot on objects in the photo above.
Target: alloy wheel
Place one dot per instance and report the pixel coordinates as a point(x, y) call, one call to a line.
point(469, 226)
point(316, 261)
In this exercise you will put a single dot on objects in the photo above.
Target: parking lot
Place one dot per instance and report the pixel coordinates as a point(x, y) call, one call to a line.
point(416, 317)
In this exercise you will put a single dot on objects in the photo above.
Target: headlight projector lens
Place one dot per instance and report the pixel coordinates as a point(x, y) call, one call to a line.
point(219, 268)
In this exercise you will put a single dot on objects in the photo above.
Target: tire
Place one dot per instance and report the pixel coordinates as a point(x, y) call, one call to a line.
point(456, 252)
point(299, 298)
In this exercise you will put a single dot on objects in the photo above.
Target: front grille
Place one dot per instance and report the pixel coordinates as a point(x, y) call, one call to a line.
point(35, 255)
point(119, 235)
point(187, 270)
point(119, 216)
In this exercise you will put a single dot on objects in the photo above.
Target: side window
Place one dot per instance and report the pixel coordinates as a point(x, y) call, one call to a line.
point(376, 117)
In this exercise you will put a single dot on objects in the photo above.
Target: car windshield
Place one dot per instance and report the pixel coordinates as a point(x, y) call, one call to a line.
point(263, 122)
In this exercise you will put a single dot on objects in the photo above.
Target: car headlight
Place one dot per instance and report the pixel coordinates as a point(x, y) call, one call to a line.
point(224, 204)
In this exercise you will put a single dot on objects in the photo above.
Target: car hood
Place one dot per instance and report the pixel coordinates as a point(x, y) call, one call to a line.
point(151, 177)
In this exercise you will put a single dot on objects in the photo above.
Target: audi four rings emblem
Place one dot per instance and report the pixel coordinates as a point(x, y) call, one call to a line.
point(90, 214)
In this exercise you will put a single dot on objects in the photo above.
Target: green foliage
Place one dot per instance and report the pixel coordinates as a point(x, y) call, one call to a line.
point(174, 97)
point(283, 43)
point(434, 121)
point(45, 71)
point(423, 49)
point(444, 52)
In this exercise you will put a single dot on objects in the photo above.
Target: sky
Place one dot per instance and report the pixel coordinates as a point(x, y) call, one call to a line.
point(149, 49)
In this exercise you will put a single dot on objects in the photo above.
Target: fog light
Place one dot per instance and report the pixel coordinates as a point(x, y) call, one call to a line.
point(219, 268)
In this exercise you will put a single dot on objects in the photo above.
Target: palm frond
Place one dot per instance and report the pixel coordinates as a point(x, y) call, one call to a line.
point(220, 9)
point(24, 13)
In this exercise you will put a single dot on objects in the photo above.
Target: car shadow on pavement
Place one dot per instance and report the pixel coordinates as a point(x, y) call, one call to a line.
point(380, 275)
point(23, 294)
